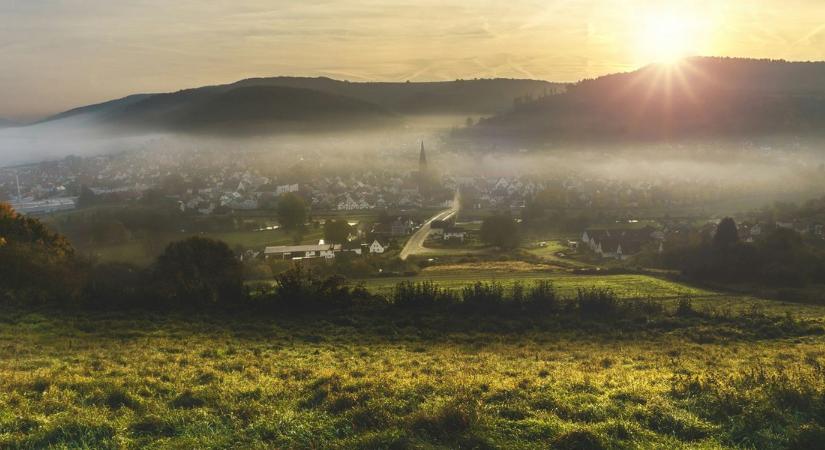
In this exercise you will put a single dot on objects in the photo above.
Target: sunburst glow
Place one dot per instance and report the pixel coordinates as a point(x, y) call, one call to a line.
point(667, 37)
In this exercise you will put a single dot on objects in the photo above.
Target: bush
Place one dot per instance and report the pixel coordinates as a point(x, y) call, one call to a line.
point(197, 272)
point(483, 296)
point(597, 302)
point(542, 297)
point(420, 295)
point(302, 290)
point(684, 308)
point(112, 286)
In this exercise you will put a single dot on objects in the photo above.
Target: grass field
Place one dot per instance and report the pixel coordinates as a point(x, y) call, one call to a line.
point(626, 286)
point(548, 253)
point(141, 253)
point(134, 381)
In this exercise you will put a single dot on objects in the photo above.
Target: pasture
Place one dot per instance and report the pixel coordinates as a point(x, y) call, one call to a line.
point(410, 381)
point(143, 251)
point(625, 285)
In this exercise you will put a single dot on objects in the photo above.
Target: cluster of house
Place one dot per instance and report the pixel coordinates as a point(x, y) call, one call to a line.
point(42, 189)
point(209, 183)
point(373, 241)
point(45, 206)
point(621, 243)
point(212, 182)
point(323, 250)
point(396, 227)
point(749, 231)
point(447, 230)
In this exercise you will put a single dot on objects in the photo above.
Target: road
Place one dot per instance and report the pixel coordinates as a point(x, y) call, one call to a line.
point(415, 245)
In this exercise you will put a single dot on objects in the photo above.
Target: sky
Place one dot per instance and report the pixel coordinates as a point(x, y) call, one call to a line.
point(58, 54)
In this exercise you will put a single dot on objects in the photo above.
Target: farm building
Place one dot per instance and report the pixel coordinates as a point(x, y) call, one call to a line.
point(303, 251)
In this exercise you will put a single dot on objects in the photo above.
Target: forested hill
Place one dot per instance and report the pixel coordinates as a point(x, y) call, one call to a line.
point(279, 104)
point(479, 96)
point(698, 98)
point(252, 109)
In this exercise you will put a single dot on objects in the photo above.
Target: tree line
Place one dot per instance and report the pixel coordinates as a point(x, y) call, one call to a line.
point(781, 258)
point(40, 267)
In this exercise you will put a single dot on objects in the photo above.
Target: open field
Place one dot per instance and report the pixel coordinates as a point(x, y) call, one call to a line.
point(548, 253)
point(406, 381)
point(142, 252)
point(626, 286)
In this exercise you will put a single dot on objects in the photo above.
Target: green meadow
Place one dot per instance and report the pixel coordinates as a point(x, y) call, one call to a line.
point(625, 285)
point(719, 378)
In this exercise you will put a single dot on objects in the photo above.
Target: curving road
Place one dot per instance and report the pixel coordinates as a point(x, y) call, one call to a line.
point(415, 245)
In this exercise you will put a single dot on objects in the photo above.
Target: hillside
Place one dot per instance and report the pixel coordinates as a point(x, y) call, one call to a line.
point(485, 96)
point(455, 97)
point(701, 97)
point(99, 109)
point(254, 109)
point(5, 123)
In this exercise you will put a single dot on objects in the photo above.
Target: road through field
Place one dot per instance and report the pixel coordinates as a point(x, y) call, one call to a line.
point(415, 245)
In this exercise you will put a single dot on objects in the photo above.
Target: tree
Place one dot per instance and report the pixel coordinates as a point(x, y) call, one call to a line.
point(292, 211)
point(86, 197)
point(501, 231)
point(337, 231)
point(35, 263)
point(726, 233)
point(198, 272)
point(113, 285)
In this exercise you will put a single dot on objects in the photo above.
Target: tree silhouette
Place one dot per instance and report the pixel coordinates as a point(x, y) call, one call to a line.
point(726, 233)
point(336, 231)
point(198, 271)
point(500, 230)
point(292, 211)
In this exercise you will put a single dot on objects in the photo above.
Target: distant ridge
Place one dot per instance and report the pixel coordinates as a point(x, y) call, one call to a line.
point(478, 96)
point(98, 108)
point(702, 97)
point(279, 104)
point(253, 109)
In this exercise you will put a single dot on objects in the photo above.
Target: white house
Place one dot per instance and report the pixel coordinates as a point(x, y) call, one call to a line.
point(283, 189)
point(454, 233)
point(377, 247)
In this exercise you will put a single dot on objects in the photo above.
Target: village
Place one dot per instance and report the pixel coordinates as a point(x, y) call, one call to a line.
point(612, 219)
point(210, 183)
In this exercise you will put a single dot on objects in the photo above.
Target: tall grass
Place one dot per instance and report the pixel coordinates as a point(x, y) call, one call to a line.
point(353, 381)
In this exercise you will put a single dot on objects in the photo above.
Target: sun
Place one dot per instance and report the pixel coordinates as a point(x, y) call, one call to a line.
point(666, 38)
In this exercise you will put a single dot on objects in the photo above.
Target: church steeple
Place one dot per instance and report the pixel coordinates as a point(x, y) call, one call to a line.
point(422, 159)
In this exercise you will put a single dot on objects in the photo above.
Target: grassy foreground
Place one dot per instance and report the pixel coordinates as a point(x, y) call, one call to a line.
point(411, 381)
